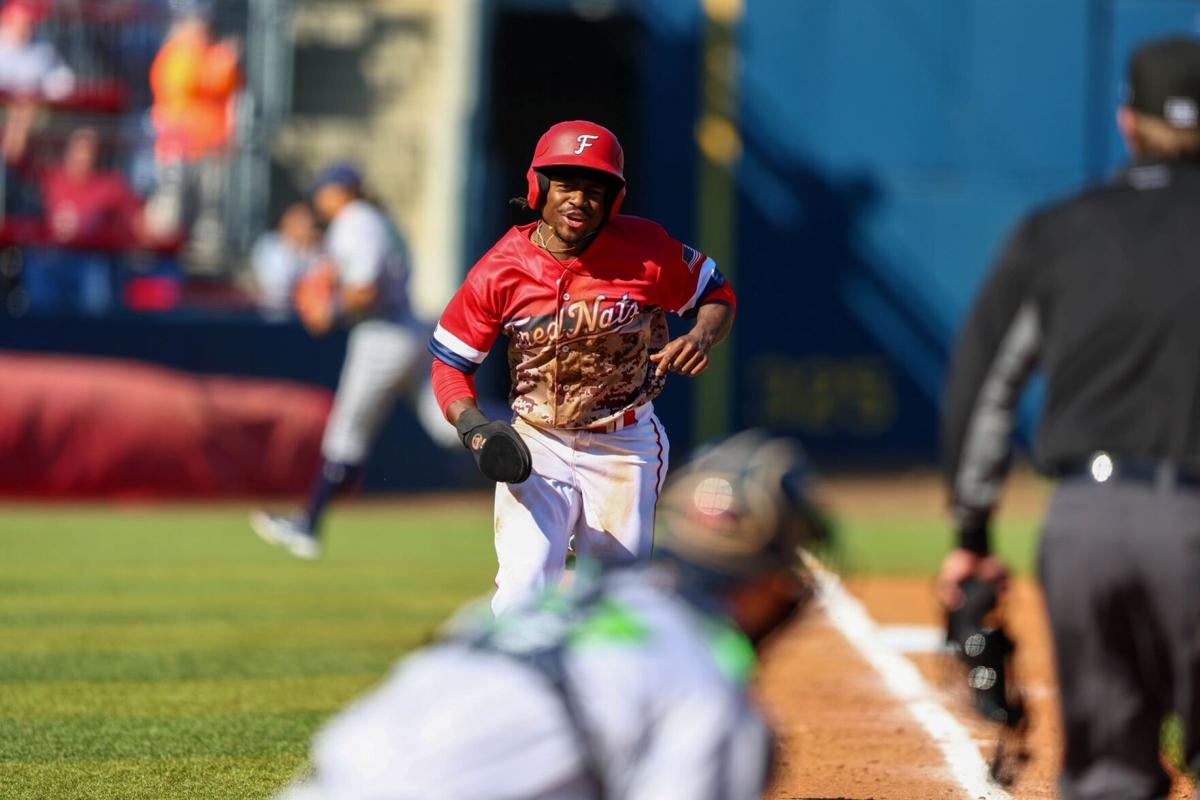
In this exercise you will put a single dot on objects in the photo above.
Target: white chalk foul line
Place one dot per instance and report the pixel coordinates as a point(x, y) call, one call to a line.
point(904, 681)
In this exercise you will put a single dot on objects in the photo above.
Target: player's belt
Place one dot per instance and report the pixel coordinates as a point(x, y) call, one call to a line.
point(1105, 468)
point(630, 416)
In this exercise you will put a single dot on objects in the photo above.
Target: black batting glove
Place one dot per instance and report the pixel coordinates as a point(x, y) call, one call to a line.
point(499, 451)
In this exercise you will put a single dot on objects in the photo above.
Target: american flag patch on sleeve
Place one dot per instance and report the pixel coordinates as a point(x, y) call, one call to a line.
point(692, 257)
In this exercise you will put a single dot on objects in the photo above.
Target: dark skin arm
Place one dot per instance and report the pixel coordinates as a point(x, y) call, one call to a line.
point(455, 409)
point(688, 354)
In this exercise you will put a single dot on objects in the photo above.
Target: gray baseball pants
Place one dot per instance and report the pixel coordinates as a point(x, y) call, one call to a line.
point(1120, 567)
point(383, 359)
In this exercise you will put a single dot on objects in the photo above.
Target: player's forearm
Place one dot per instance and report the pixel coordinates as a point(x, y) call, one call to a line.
point(713, 322)
point(458, 408)
point(688, 354)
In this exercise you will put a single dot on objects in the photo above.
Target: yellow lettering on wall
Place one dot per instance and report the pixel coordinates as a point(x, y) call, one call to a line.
point(824, 396)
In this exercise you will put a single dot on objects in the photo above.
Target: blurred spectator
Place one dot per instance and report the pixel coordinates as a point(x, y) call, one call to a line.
point(283, 255)
point(29, 69)
point(195, 81)
point(29, 72)
point(91, 214)
point(20, 195)
point(85, 205)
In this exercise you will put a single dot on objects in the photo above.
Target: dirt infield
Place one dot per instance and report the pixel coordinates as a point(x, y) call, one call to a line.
point(844, 735)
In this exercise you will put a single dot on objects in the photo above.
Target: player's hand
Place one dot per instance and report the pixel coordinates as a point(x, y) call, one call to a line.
point(497, 448)
point(317, 320)
point(961, 564)
point(313, 297)
point(687, 355)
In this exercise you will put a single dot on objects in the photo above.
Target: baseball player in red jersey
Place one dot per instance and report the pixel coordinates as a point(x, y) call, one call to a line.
point(582, 296)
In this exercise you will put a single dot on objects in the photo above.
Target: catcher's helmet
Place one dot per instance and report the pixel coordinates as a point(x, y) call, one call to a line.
point(741, 509)
point(580, 144)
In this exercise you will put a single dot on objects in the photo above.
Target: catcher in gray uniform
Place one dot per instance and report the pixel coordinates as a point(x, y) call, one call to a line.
point(629, 685)
point(362, 283)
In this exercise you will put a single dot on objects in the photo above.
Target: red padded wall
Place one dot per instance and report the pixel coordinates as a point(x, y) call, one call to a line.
point(78, 427)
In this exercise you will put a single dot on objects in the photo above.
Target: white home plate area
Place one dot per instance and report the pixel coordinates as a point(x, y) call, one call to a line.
point(883, 649)
point(869, 707)
point(863, 709)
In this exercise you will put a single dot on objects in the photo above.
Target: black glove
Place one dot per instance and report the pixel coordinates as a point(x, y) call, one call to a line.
point(499, 452)
point(986, 651)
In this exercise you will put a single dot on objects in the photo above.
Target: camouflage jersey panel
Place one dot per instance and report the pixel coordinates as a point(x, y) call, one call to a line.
point(591, 374)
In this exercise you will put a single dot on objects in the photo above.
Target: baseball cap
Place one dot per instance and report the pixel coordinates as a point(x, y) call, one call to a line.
point(339, 173)
point(741, 509)
point(1164, 81)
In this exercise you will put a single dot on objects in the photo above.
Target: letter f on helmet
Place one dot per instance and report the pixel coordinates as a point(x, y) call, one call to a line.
point(585, 140)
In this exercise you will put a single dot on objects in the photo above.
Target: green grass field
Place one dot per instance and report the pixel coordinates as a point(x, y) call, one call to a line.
point(165, 652)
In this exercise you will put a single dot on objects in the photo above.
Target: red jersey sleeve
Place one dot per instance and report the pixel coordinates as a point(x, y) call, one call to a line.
point(469, 325)
point(449, 385)
point(688, 279)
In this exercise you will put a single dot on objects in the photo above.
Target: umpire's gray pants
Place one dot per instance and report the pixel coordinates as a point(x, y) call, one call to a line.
point(1120, 567)
point(383, 359)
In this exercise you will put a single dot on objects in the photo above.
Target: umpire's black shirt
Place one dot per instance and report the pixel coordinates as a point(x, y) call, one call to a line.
point(1103, 293)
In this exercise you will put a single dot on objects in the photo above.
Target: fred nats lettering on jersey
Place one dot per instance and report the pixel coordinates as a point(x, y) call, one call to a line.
point(580, 318)
point(581, 332)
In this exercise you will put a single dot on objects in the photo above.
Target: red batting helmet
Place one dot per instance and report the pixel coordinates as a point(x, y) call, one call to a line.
point(578, 144)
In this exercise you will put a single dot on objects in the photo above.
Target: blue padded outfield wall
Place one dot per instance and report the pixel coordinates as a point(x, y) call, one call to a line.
point(889, 146)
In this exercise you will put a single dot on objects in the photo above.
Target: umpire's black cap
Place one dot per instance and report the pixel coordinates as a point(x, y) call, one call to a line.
point(1164, 81)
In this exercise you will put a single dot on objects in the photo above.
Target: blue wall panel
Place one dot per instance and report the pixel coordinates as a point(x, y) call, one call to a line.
point(1027, 66)
point(890, 147)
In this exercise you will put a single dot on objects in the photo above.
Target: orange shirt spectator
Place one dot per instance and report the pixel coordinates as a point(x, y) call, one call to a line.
point(194, 81)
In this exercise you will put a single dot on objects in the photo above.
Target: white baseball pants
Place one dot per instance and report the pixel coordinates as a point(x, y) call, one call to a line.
point(600, 487)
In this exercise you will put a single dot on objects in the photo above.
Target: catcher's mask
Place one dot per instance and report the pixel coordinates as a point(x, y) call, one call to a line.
point(741, 510)
point(581, 145)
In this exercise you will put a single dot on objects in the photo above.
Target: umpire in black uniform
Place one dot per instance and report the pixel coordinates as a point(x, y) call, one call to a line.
point(1103, 293)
